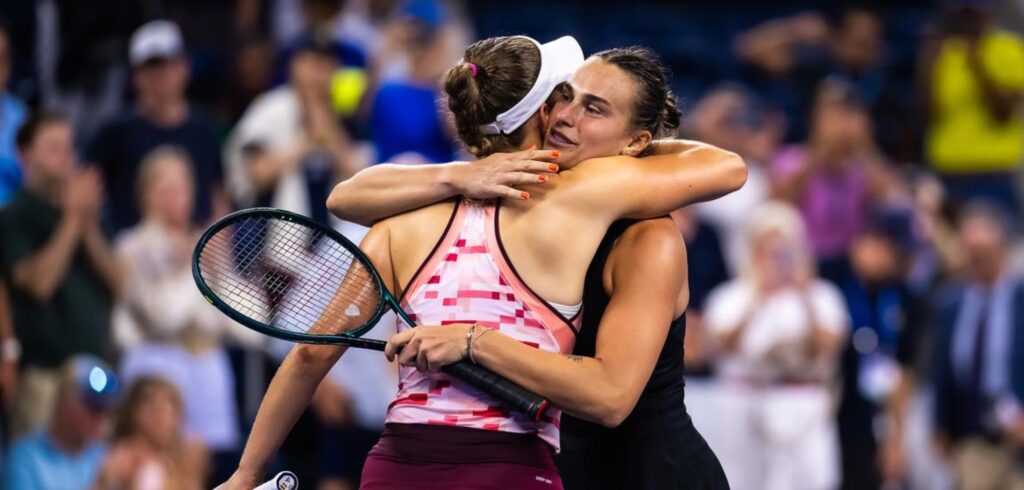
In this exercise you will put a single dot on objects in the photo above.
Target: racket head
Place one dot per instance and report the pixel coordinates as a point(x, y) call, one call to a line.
point(254, 262)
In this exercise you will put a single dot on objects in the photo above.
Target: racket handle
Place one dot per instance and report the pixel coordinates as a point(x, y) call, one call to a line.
point(284, 480)
point(515, 396)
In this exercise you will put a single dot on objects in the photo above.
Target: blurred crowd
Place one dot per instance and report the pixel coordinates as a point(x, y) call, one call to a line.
point(857, 309)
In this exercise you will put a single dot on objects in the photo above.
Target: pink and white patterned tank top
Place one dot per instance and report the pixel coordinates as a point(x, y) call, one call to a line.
point(469, 279)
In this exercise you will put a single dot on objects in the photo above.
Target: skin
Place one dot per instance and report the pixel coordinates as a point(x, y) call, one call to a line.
point(572, 212)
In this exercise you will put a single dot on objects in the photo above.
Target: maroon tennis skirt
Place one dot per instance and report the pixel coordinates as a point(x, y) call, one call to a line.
point(443, 457)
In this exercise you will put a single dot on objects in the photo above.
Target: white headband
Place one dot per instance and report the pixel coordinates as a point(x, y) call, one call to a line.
point(558, 60)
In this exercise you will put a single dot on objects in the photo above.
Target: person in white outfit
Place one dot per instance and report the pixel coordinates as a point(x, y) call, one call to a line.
point(779, 330)
point(163, 324)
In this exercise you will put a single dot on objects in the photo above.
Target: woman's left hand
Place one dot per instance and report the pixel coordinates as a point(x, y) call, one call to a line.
point(429, 347)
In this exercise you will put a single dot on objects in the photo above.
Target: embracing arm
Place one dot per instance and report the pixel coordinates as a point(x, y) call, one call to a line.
point(680, 172)
point(389, 189)
point(603, 388)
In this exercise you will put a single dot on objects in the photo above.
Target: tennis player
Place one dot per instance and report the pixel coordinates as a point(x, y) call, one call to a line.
point(453, 262)
point(627, 425)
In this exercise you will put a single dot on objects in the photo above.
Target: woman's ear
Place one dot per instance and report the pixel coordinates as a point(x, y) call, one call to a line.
point(545, 116)
point(638, 143)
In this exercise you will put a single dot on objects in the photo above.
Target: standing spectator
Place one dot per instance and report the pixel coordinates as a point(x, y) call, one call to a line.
point(973, 77)
point(61, 270)
point(835, 178)
point(163, 323)
point(316, 19)
point(406, 123)
point(884, 311)
point(289, 149)
point(979, 358)
point(148, 450)
point(730, 117)
point(68, 453)
point(780, 330)
point(162, 116)
point(12, 114)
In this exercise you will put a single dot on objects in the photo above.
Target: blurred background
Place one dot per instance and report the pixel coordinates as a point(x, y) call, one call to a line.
point(884, 143)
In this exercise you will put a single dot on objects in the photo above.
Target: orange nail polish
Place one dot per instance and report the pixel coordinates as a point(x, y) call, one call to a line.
point(524, 196)
point(553, 167)
point(554, 153)
point(542, 178)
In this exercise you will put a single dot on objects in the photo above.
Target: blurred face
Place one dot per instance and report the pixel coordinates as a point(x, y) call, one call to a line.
point(719, 119)
point(85, 423)
point(51, 156)
point(839, 125)
point(984, 246)
point(592, 113)
point(158, 418)
point(162, 79)
point(858, 43)
point(874, 258)
point(311, 70)
point(774, 259)
point(169, 196)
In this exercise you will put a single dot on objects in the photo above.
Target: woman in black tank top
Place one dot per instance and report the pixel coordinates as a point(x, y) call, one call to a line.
point(656, 446)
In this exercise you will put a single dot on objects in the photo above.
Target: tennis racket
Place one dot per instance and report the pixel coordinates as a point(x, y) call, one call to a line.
point(289, 277)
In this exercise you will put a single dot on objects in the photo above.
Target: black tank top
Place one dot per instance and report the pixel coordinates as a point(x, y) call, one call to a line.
point(665, 389)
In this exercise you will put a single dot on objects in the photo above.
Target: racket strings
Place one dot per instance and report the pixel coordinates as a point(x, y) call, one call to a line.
point(289, 276)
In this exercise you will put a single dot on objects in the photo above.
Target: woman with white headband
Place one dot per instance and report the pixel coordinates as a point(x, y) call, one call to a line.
point(452, 262)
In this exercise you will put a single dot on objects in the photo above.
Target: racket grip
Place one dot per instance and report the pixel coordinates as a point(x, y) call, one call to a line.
point(515, 396)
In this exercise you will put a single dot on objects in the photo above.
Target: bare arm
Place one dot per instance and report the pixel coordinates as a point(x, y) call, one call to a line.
point(103, 260)
point(295, 383)
point(629, 187)
point(389, 189)
point(647, 285)
point(1001, 102)
point(40, 273)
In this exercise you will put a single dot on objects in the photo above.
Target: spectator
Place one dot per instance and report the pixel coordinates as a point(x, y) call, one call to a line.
point(68, 453)
point(730, 117)
point(163, 324)
point(289, 149)
point(884, 311)
point(317, 17)
point(406, 124)
point(973, 77)
point(780, 330)
point(62, 273)
point(12, 114)
point(835, 178)
point(979, 358)
point(162, 116)
point(147, 449)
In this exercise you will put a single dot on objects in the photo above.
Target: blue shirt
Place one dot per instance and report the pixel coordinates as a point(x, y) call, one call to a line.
point(35, 463)
point(406, 119)
point(12, 115)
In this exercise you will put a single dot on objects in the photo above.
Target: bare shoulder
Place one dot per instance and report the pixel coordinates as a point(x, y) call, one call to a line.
point(419, 220)
point(653, 240)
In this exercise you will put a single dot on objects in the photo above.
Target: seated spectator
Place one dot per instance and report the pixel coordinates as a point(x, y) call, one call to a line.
point(163, 324)
point(835, 178)
point(780, 330)
point(289, 149)
point(406, 123)
point(148, 450)
point(12, 114)
point(979, 357)
point(973, 76)
point(68, 453)
point(162, 116)
point(62, 273)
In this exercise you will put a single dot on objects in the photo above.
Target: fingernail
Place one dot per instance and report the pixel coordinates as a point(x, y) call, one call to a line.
point(542, 178)
point(524, 196)
point(554, 153)
point(553, 167)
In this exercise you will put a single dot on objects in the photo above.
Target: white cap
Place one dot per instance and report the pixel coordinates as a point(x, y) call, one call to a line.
point(155, 39)
point(559, 59)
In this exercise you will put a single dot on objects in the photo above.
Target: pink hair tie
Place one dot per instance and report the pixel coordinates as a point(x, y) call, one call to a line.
point(472, 67)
